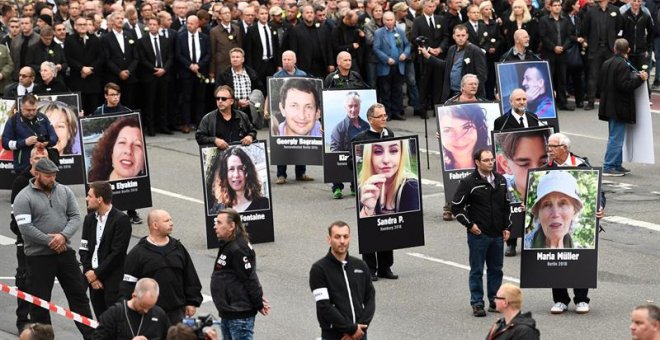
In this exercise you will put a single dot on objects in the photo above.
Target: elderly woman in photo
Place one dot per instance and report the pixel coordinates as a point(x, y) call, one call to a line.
point(235, 183)
point(49, 81)
point(463, 129)
point(555, 211)
point(119, 153)
point(386, 183)
point(65, 123)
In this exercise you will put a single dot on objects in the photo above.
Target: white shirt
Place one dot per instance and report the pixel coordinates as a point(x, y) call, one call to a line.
point(100, 226)
point(138, 31)
point(120, 39)
point(264, 41)
point(59, 42)
point(22, 90)
point(198, 49)
point(517, 117)
point(163, 32)
point(155, 43)
point(475, 25)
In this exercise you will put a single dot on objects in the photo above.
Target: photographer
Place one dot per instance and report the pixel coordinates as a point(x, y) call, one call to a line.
point(27, 130)
point(186, 332)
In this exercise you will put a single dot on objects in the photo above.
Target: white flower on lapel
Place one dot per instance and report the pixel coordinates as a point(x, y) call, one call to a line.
point(274, 32)
point(317, 25)
point(367, 20)
point(438, 26)
point(485, 34)
point(466, 60)
point(645, 67)
point(396, 35)
point(492, 40)
point(131, 41)
point(207, 80)
point(50, 52)
point(613, 14)
point(231, 37)
point(336, 76)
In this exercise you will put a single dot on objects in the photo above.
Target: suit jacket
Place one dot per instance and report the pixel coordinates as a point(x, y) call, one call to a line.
point(89, 54)
point(220, 46)
point(509, 122)
point(6, 67)
point(11, 91)
point(299, 43)
point(112, 249)
point(147, 57)
point(383, 50)
point(139, 26)
point(438, 36)
point(477, 37)
point(116, 60)
point(15, 49)
point(183, 55)
point(39, 53)
point(590, 28)
point(548, 26)
point(254, 50)
point(474, 61)
point(176, 24)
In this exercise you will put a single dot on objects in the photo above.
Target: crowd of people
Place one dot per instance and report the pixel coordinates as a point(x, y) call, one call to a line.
point(172, 60)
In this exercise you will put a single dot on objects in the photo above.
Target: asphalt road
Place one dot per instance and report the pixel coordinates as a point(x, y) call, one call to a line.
point(431, 298)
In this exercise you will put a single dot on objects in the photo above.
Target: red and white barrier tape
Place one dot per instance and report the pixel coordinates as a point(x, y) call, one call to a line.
point(47, 305)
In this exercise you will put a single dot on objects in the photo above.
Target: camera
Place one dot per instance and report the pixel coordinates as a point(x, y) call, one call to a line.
point(198, 324)
point(41, 138)
point(421, 41)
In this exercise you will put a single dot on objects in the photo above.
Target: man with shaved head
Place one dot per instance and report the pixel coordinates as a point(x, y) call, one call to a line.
point(167, 261)
point(344, 77)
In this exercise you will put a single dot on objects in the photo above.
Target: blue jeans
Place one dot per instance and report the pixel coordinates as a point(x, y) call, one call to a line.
point(237, 329)
point(614, 151)
point(300, 170)
point(411, 85)
point(488, 249)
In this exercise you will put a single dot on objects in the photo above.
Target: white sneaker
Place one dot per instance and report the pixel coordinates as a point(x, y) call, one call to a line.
point(560, 307)
point(582, 308)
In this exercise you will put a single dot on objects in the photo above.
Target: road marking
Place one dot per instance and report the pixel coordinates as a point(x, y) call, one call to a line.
point(432, 183)
point(454, 264)
point(175, 195)
point(631, 222)
point(584, 136)
point(5, 241)
point(433, 152)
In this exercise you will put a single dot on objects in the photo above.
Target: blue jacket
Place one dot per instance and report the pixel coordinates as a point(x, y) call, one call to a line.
point(384, 48)
point(14, 138)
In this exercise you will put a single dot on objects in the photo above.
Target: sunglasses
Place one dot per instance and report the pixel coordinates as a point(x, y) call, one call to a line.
point(499, 298)
point(222, 99)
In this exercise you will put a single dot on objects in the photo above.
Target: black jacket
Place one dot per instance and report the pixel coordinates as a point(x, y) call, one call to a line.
point(114, 326)
point(477, 202)
point(79, 54)
point(522, 327)
point(639, 32)
point(474, 62)
point(206, 131)
point(552, 30)
point(173, 270)
point(617, 82)
point(507, 121)
point(614, 24)
point(20, 182)
point(327, 280)
point(112, 249)
point(235, 287)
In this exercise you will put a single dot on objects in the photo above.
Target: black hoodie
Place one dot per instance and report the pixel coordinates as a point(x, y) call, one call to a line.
point(522, 327)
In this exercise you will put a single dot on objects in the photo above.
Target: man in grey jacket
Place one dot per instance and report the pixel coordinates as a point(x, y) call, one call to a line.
point(47, 216)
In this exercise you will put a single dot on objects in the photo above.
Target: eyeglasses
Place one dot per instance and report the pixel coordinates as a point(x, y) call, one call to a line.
point(552, 146)
point(499, 298)
point(379, 116)
point(25, 75)
point(222, 99)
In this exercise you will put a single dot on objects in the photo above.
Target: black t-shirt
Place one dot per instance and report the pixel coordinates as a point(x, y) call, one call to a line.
point(223, 128)
point(114, 325)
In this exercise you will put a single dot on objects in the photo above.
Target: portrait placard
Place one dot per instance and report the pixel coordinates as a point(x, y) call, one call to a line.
point(388, 200)
point(516, 152)
point(6, 155)
point(345, 115)
point(560, 248)
point(464, 128)
point(534, 78)
point(295, 117)
point(238, 178)
point(115, 151)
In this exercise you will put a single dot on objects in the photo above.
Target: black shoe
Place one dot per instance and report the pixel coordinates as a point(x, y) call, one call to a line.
point(151, 133)
point(656, 83)
point(388, 275)
point(492, 308)
point(567, 107)
point(510, 251)
point(136, 219)
point(579, 104)
point(397, 117)
point(478, 311)
point(374, 277)
point(589, 106)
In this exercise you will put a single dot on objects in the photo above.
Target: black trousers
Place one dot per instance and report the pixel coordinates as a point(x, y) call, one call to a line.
point(22, 283)
point(575, 75)
point(561, 295)
point(43, 270)
point(558, 74)
point(154, 104)
point(90, 101)
point(102, 299)
point(380, 261)
point(265, 69)
point(390, 88)
point(192, 100)
point(595, 60)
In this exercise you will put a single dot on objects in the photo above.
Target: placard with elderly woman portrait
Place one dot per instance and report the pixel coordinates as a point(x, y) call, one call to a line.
point(238, 178)
point(463, 128)
point(561, 228)
point(6, 156)
point(62, 111)
point(114, 150)
point(388, 200)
